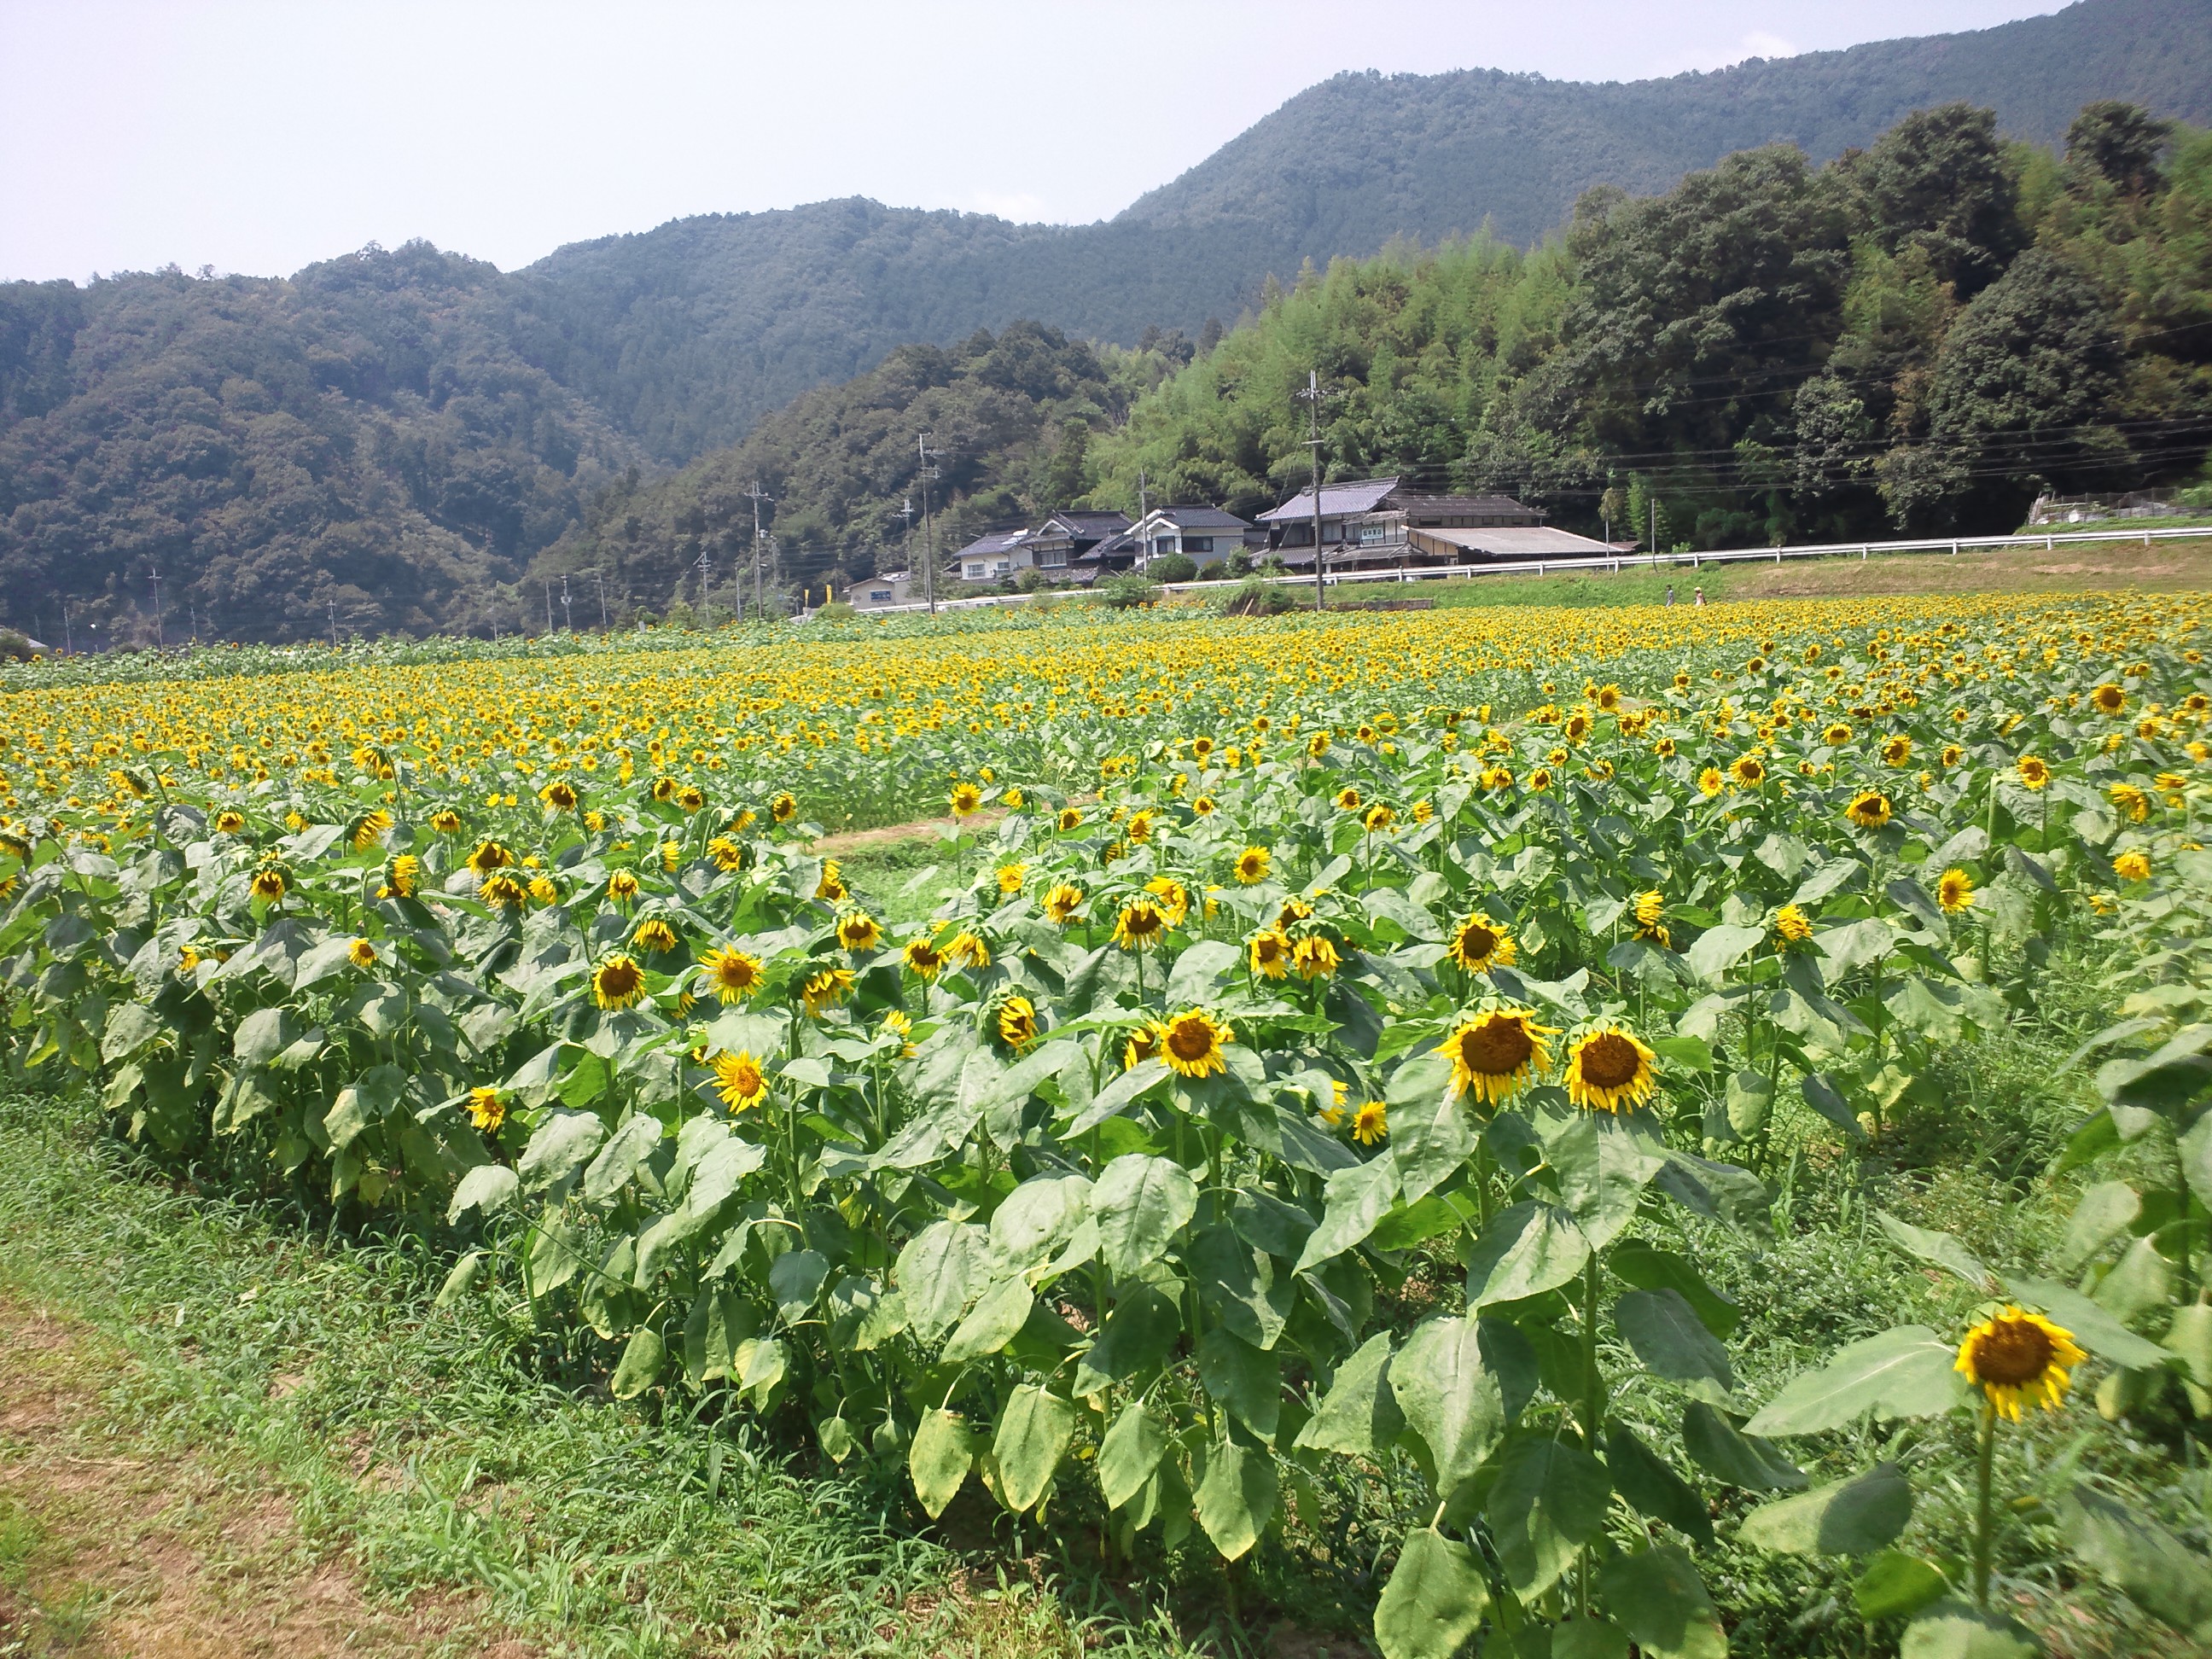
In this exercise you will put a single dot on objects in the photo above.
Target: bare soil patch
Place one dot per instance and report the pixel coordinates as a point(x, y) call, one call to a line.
point(112, 1547)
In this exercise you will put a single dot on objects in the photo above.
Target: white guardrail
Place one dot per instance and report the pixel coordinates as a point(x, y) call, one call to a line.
point(2048, 541)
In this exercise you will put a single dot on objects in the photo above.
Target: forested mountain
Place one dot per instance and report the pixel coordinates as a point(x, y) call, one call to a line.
point(1346, 165)
point(352, 447)
point(1915, 337)
point(1010, 417)
point(387, 439)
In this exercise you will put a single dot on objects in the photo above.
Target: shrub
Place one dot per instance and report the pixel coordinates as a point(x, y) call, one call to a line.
point(1172, 568)
point(1255, 598)
point(1129, 590)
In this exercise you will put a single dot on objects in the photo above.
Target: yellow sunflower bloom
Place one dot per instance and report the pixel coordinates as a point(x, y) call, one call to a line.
point(1480, 945)
point(1253, 865)
point(734, 973)
point(1139, 926)
point(739, 1080)
point(828, 986)
point(1191, 1043)
point(2015, 1355)
point(1371, 1123)
point(1955, 891)
point(1609, 1069)
point(617, 983)
point(857, 931)
point(654, 934)
point(1062, 903)
point(1018, 1025)
point(1497, 1052)
point(1315, 956)
point(487, 1108)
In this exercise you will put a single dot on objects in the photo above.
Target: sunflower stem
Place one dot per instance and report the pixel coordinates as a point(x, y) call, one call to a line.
point(1984, 1522)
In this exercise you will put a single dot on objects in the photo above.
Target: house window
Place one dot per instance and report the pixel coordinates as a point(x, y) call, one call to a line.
point(1051, 558)
point(1198, 543)
point(976, 572)
point(1006, 567)
point(880, 596)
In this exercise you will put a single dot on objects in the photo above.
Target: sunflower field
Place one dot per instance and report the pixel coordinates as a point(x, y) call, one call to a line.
point(1308, 1109)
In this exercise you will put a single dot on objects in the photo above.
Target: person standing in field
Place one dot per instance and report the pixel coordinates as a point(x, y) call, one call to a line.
point(1699, 603)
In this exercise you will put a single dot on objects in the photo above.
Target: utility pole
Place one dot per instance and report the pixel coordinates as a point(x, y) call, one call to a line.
point(160, 642)
point(69, 640)
point(604, 626)
point(193, 604)
point(334, 624)
point(1311, 397)
point(704, 566)
point(549, 609)
point(568, 610)
point(926, 471)
point(1655, 523)
point(755, 495)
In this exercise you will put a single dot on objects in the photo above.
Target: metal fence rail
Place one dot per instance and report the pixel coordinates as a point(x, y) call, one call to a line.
point(2049, 540)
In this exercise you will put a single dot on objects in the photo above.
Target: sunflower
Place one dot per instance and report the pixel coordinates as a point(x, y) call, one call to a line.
point(1540, 779)
point(1836, 735)
point(1710, 782)
point(487, 1108)
point(1495, 777)
point(1139, 827)
point(739, 1080)
point(2109, 699)
point(922, 957)
point(1792, 926)
point(1371, 1123)
point(1951, 756)
point(2131, 800)
point(734, 973)
point(400, 876)
point(897, 1022)
point(691, 799)
point(857, 931)
point(1480, 944)
point(622, 886)
point(1144, 1044)
point(617, 983)
point(362, 954)
point(1070, 818)
point(1014, 800)
point(542, 890)
point(1203, 807)
point(1253, 865)
point(966, 800)
point(783, 807)
point(828, 986)
point(2133, 865)
point(1315, 956)
point(1955, 891)
point(502, 892)
point(1174, 897)
point(370, 827)
point(226, 823)
point(270, 883)
point(1379, 817)
point(726, 854)
point(2034, 771)
point(1317, 745)
point(1497, 1052)
point(672, 855)
point(1191, 1043)
point(446, 820)
point(488, 856)
point(1347, 799)
point(1609, 1069)
point(967, 949)
point(1018, 1025)
point(559, 796)
point(1269, 953)
point(1061, 904)
point(1139, 925)
point(831, 887)
point(1010, 878)
point(2014, 1355)
point(1870, 808)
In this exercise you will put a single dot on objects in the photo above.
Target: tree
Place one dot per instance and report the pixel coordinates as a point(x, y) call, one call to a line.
point(1939, 181)
point(2120, 144)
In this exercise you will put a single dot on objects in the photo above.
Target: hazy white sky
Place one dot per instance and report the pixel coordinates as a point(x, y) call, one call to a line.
point(260, 137)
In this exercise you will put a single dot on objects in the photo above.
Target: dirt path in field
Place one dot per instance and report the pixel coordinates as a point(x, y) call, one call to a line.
point(855, 840)
point(110, 1545)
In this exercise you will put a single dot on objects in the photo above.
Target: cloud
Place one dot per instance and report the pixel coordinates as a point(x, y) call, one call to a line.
point(1759, 44)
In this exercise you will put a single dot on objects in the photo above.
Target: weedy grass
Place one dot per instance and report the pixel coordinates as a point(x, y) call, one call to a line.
point(430, 1449)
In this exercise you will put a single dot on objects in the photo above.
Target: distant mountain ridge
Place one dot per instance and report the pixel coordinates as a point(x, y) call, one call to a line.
point(392, 438)
point(1361, 157)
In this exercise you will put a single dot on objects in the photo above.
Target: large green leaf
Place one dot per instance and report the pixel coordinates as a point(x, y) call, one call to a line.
point(1141, 1203)
point(939, 1460)
point(1033, 1431)
point(1603, 1165)
point(1451, 1395)
point(2101, 1214)
point(1140, 1333)
point(1357, 1199)
point(1742, 1460)
point(1434, 1600)
point(1036, 1218)
point(1848, 1518)
point(1951, 1630)
point(561, 1142)
point(1672, 1341)
point(1241, 1286)
point(1719, 949)
point(1237, 1498)
point(999, 1313)
point(938, 1272)
point(1896, 1585)
point(2134, 1554)
point(1249, 1382)
point(2093, 1327)
point(641, 1359)
point(1650, 1269)
point(489, 1188)
point(619, 1159)
point(1937, 1250)
point(1526, 1250)
point(1657, 1595)
point(1548, 1501)
point(1359, 1414)
point(1651, 1487)
point(1128, 1454)
point(1904, 1372)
